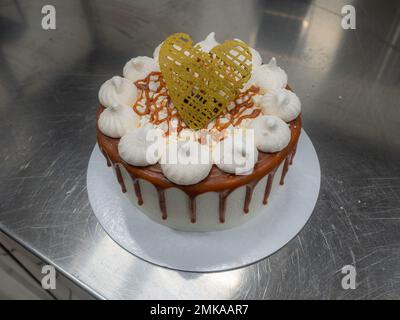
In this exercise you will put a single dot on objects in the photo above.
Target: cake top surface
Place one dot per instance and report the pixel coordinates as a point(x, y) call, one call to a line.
point(246, 110)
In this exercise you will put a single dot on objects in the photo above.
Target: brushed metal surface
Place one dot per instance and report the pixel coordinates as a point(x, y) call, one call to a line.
point(348, 81)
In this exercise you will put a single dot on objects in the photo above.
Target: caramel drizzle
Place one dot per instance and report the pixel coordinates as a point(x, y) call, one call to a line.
point(154, 103)
point(234, 116)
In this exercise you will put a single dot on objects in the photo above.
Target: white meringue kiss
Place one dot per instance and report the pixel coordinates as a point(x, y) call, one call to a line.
point(117, 91)
point(142, 146)
point(271, 133)
point(139, 68)
point(268, 76)
point(186, 163)
point(235, 154)
point(281, 103)
point(208, 43)
point(256, 59)
point(117, 121)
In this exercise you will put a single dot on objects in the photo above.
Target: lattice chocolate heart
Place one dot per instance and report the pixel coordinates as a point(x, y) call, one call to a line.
point(202, 84)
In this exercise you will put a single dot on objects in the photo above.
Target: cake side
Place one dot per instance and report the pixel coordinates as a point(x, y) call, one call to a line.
point(149, 187)
point(207, 214)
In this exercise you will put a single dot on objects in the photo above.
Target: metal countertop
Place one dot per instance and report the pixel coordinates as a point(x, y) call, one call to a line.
point(348, 81)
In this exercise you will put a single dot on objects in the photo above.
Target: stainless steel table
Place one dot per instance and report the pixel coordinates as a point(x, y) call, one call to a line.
point(349, 84)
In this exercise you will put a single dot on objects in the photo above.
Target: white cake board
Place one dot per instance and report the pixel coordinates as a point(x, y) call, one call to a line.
point(261, 236)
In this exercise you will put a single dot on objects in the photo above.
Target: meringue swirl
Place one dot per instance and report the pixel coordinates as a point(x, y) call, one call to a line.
point(117, 91)
point(138, 68)
point(117, 121)
point(186, 162)
point(271, 133)
point(142, 146)
point(281, 103)
point(236, 154)
point(268, 76)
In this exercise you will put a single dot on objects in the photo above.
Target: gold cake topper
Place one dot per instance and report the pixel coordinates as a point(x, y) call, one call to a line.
point(202, 84)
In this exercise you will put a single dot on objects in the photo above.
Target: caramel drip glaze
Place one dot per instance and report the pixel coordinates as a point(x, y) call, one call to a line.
point(217, 181)
point(138, 192)
point(192, 207)
point(268, 187)
point(285, 170)
point(119, 178)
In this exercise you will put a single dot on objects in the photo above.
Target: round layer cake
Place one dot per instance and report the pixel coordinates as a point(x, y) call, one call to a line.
point(204, 196)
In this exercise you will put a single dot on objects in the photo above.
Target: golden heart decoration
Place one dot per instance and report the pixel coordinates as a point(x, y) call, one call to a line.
point(202, 84)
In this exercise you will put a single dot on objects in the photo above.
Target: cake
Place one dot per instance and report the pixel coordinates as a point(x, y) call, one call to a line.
point(199, 136)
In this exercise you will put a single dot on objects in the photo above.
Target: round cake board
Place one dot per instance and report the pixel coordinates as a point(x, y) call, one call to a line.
point(281, 220)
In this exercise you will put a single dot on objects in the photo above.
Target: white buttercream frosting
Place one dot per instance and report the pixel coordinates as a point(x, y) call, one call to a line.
point(117, 121)
point(139, 68)
point(117, 91)
point(142, 146)
point(156, 52)
point(186, 162)
point(236, 155)
point(268, 76)
point(271, 133)
point(208, 43)
point(281, 103)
